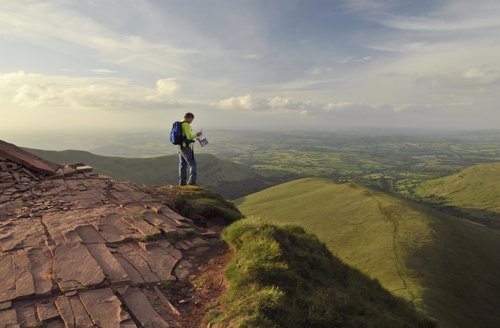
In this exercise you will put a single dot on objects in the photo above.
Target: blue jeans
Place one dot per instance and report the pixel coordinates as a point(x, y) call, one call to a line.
point(186, 157)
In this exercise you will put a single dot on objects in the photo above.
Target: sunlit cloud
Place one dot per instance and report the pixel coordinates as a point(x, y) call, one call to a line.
point(246, 102)
point(168, 87)
point(255, 103)
point(103, 71)
point(75, 93)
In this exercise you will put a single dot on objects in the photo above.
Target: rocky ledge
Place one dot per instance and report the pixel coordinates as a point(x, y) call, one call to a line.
point(79, 249)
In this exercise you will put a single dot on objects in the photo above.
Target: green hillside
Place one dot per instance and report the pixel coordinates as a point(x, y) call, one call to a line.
point(283, 277)
point(229, 179)
point(446, 266)
point(473, 193)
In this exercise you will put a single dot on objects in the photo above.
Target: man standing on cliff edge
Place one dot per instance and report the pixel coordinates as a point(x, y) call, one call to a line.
point(186, 153)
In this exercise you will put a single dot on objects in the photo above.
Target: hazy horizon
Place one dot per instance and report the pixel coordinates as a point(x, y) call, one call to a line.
point(155, 142)
point(249, 65)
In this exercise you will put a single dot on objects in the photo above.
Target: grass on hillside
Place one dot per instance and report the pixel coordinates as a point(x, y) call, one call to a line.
point(446, 266)
point(284, 277)
point(473, 193)
point(349, 219)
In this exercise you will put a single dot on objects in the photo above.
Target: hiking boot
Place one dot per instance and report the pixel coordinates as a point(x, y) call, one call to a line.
point(182, 184)
point(191, 183)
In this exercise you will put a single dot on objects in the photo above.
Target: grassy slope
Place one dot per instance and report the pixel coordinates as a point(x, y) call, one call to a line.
point(446, 266)
point(475, 192)
point(284, 277)
point(229, 179)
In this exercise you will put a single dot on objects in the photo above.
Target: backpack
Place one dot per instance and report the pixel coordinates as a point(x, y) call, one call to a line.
point(176, 136)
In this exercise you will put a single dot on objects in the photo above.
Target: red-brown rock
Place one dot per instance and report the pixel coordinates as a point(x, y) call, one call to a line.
point(26, 159)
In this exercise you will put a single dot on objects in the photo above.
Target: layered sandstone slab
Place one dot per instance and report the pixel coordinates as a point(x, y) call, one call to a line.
point(75, 268)
point(26, 159)
point(142, 309)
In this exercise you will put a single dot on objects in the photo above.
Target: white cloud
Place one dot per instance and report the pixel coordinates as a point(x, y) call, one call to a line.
point(102, 70)
point(450, 26)
point(83, 93)
point(369, 5)
point(450, 16)
point(318, 70)
point(405, 46)
point(31, 96)
point(168, 87)
point(468, 79)
point(332, 106)
point(284, 103)
point(354, 59)
point(280, 102)
point(440, 25)
point(443, 16)
point(483, 75)
point(37, 95)
point(252, 56)
point(246, 102)
point(251, 103)
point(365, 112)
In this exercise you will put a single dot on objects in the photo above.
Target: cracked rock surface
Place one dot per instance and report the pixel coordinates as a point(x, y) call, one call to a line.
point(78, 248)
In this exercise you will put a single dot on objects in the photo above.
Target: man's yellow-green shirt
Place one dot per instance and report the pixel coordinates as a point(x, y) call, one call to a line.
point(186, 131)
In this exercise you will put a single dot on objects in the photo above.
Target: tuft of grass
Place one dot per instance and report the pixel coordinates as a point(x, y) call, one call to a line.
point(202, 205)
point(190, 231)
point(164, 284)
point(281, 276)
point(149, 237)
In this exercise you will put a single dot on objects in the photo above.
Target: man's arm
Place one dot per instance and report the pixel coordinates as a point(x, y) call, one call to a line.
point(186, 130)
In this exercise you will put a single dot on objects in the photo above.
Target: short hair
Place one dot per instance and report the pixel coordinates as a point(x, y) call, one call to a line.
point(188, 115)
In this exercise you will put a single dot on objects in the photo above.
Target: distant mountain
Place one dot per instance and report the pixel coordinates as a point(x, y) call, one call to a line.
point(227, 178)
point(445, 265)
point(473, 193)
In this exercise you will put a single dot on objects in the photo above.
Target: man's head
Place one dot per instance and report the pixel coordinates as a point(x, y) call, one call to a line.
point(189, 117)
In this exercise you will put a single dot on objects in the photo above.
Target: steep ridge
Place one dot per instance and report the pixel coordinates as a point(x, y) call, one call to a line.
point(79, 249)
point(283, 277)
point(232, 180)
point(445, 265)
point(473, 193)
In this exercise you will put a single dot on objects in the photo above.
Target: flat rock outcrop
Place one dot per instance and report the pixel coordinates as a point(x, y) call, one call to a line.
point(78, 248)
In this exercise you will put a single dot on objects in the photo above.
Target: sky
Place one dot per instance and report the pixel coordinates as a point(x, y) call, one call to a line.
point(281, 64)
